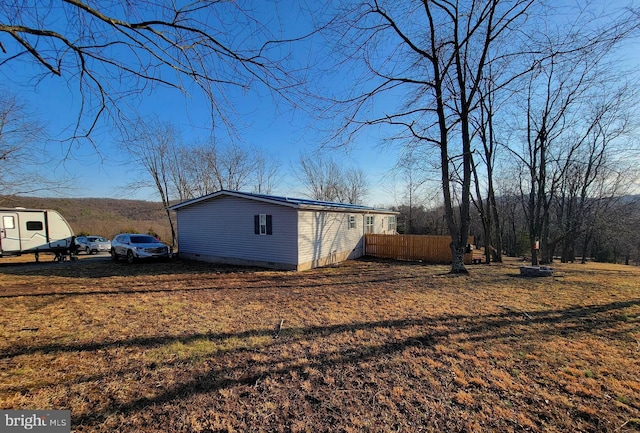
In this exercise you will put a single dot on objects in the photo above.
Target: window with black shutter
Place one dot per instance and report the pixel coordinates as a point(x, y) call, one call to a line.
point(269, 225)
point(263, 224)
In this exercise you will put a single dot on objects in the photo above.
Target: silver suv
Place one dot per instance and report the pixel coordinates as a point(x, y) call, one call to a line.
point(93, 244)
point(134, 246)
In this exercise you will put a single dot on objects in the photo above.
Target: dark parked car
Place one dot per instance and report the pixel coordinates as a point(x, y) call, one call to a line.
point(134, 246)
point(93, 244)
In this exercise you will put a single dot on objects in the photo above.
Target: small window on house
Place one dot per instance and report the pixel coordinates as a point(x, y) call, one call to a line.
point(392, 223)
point(8, 222)
point(352, 221)
point(368, 224)
point(262, 224)
point(34, 225)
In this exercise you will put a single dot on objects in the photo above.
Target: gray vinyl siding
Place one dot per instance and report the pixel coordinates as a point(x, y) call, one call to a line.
point(224, 227)
point(322, 234)
point(381, 224)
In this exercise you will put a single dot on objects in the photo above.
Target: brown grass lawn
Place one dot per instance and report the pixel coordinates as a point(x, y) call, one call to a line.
point(366, 346)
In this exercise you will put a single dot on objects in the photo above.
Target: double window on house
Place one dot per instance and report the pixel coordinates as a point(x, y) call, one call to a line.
point(262, 224)
point(393, 225)
point(368, 224)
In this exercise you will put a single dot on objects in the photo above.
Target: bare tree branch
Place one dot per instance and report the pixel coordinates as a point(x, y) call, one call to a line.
point(116, 51)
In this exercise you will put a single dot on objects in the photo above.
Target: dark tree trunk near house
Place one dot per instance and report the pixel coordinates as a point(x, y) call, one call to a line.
point(436, 54)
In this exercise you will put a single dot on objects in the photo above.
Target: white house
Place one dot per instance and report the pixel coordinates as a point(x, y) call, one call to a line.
point(276, 232)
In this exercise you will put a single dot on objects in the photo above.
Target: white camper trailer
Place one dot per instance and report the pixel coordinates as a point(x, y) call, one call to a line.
point(24, 231)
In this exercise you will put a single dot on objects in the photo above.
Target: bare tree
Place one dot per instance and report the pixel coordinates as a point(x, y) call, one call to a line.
point(411, 178)
point(513, 226)
point(176, 171)
point(435, 53)
point(198, 166)
point(153, 145)
point(617, 238)
point(15, 139)
point(24, 165)
point(320, 177)
point(207, 168)
point(266, 176)
point(326, 180)
point(111, 52)
point(544, 128)
point(183, 186)
point(570, 74)
point(234, 168)
point(597, 178)
point(355, 187)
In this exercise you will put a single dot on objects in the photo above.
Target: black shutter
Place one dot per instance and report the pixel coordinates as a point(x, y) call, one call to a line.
point(269, 227)
point(256, 224)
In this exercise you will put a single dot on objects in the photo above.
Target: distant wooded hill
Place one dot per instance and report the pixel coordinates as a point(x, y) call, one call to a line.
point(101, 216)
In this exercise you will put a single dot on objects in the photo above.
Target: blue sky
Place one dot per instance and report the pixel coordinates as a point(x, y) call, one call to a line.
point(104, 171)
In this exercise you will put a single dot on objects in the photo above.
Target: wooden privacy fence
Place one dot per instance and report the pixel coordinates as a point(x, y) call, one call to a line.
point(432, 249)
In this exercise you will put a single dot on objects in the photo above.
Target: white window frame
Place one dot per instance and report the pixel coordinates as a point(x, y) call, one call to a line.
point(393, 223)
point(263, 224)
point(8, 222)
point(369, 222)
point(352, 222)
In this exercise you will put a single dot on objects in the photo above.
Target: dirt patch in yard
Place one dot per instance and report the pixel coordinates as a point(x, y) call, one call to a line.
point(366, 346)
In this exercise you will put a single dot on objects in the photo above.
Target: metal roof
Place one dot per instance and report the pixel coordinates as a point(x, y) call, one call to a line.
point(299, 203)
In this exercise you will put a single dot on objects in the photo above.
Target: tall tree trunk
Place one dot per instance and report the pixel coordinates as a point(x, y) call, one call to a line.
point(485, 215)
point(497, 232)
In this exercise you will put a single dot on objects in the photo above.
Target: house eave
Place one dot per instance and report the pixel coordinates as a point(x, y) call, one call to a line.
point(221, 193)
point(285, 201)
point(347, 209)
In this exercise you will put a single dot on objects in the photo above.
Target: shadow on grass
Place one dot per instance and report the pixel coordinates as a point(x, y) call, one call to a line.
point(573, 320)
point(104, 266)
point(258, 279)
point(507, 326)
point(499, 327)
point(221, 286)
